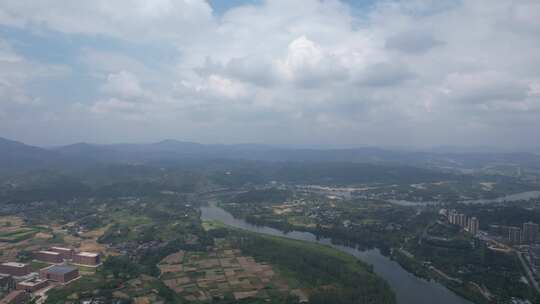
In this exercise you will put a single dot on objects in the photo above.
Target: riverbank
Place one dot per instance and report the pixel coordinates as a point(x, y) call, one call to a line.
point(329, 274)
point(431, 273)
point(408, 288)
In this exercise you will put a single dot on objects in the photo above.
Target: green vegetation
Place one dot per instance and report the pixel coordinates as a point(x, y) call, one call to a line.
point(270, 195)
point(439, 250)
point(331, 273)
point(99, 288)
point(18, 235)
point(36, 265)
point(212, 225)
point(138, 214)
point(465, 263)
point(364, 223)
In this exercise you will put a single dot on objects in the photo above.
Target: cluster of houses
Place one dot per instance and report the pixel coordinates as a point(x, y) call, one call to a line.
point(21, 281)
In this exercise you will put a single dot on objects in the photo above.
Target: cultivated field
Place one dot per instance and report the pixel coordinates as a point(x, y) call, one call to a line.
point(222, 272)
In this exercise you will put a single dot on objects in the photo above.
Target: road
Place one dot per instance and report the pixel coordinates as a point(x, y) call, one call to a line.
point(42, 295)
point(530, 275)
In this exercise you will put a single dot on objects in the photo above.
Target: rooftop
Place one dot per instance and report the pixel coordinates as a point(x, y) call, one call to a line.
point(60, 269)
point(32, 282)
point(49, 252)
point(61, 248)
point(88, 254)
point(14, 264)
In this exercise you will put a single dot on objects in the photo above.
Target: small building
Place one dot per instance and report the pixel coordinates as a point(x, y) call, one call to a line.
point(32, 284)
point(15, 269)
point(87, 258)
point(49, 257)
point(16, 297)
point(59, 273)
point(66, 253)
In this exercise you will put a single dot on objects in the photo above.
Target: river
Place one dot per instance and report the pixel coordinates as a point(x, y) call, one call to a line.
point(527, 195)
point(409, 289)
point(508, 198)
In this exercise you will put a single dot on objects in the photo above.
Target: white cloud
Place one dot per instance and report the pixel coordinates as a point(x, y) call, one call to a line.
point(125, 19)
point(123, 84)
point(404, 70)
point(16, 72)
point(308, 64)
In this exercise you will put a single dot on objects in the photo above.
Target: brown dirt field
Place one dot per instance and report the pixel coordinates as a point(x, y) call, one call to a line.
point(71, 240)
point(121, 295)
point(302, 295)
point(183, 280)
point(96, 233)
point(177, 289)
point(170, 268)
point(92, 246)
point(268, 273)
point(244, 294)
point(174, 258)
point(14, 221)
point(170, 283)
point(142, 300)
point(56, 228)
point(224, 270)
point(43, 236)
point(8, 255)
point(209, 263)
point(91, 243)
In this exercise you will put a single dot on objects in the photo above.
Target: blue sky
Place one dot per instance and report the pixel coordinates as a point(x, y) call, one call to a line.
point(322, 72)
point(221, 6)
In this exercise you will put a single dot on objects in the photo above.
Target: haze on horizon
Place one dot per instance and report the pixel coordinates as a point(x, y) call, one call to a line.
point(302, 72)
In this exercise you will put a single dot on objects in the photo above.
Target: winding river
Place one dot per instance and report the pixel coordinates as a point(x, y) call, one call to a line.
point(409, 289)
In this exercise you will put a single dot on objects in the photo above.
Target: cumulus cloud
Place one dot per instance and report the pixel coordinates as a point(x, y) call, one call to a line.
point(400, 72)
point(309, 65)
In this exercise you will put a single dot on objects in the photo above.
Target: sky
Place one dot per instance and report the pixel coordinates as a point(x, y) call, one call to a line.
point(293, 72)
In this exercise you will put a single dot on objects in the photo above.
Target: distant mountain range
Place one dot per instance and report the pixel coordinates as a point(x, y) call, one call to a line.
point(19, 156)
point(16, 155)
